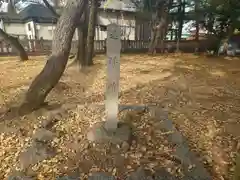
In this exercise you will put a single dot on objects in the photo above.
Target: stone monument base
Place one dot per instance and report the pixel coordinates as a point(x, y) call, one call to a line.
point(99, 134)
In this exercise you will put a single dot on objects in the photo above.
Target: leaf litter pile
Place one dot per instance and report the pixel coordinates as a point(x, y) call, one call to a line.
point(201, 97)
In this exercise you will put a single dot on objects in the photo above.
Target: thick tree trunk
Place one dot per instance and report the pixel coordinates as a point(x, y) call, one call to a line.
point(91, 32)
point(159, 27)
point(156, 39)
point(15, 44)
point(163, 35)
point(82, 41)
point(80, 49)
point(230, 30)
point(152, 40)
point(155, 33)
point(56, 63)
point(158, 33)
point(82, 38)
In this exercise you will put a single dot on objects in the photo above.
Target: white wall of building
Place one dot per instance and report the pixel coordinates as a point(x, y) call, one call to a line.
point(125, 20)
point(46, 30)
point(15, 29)
point(30, 30)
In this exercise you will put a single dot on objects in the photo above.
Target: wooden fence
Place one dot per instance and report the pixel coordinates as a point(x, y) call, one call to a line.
point(42, 47)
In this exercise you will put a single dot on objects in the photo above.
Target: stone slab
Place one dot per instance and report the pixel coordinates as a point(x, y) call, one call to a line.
point(99, 134)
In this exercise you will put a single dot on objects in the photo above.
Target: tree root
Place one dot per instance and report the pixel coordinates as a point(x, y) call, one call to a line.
point(18, 111)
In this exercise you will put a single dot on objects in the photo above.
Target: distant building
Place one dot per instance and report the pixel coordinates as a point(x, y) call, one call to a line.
point(33, 22)
point(122, 13)
point(37, 21)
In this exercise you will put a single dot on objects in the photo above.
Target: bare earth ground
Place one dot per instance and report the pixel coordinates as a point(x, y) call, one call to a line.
point(202, 96)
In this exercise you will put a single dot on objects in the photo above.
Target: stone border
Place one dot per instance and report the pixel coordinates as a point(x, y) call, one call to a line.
point(182, 153)
point(193, 168)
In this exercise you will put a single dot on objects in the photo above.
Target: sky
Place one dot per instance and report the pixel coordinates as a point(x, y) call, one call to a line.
point(3, 7)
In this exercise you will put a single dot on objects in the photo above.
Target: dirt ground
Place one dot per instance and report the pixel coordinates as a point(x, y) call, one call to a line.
point(201, 95)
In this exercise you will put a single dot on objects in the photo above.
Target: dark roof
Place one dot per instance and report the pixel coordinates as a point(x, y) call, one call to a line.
point(11, 18)
point(36, 12)
point(41, 14)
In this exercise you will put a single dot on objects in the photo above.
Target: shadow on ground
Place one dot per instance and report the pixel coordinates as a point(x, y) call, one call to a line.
point(12, 110)
point(201, 97)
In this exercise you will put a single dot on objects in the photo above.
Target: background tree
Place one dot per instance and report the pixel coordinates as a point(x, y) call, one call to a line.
point(13, 41)
point(82, 30)
point(85, 50)
point(57, 61)
point(159, 11)
point(221, 17)
point(86, 33)
point(91, 32)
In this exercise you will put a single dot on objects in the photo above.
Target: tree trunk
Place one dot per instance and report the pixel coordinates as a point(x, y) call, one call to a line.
point(158, 34)
point(91, 33)
point(164, 32)
point(230, 30)
point(80, 56)
point(56, 63)
point(181, 18)
point(82, 38)
point(197, 20)
point(82, 41)
point(15, 44)
point(151, 48)
point(197, 26)
point(159, 27)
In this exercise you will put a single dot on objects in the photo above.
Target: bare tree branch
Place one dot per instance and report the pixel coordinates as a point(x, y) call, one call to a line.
point(50, 7)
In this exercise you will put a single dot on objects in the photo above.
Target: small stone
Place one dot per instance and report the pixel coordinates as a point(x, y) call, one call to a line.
point(125, 146)
point(138, 155)
point(140, 174)
point(143, 149)
point(101, 176)
point(34, 154)
point(19, 176)
point(67, 178)
point(30, 172)
point(114, 171)
point(99, 134)
point(119, 160)
point(148, 138)
point(49, 123)
point(60, 133)
point(129, 167)
point(71, 106)
point(162, 174)
point(177, 138)
point(134, 142)
point(43, 135)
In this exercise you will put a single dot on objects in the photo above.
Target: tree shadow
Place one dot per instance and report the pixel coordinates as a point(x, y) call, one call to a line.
point(190, 94)
point(84, 79)
point(200, 98)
